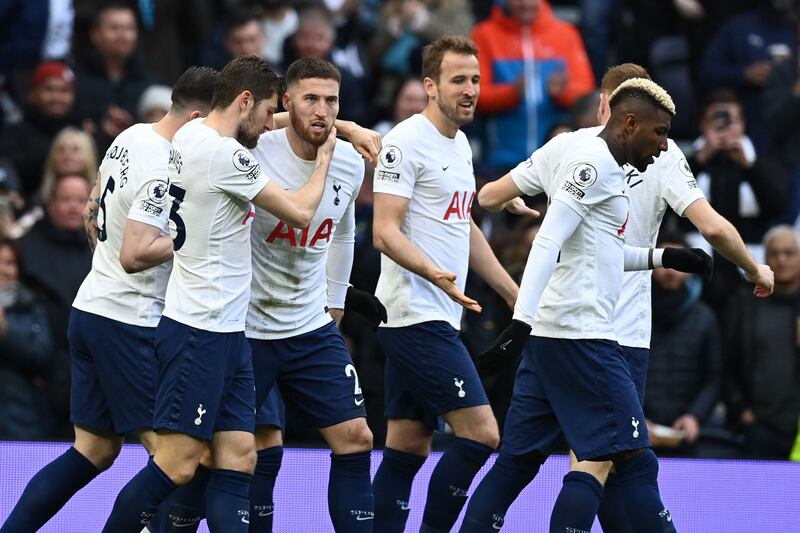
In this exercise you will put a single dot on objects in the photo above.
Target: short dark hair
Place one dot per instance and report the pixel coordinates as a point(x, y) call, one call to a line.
point(109, 5)
point(238, 18)
point(433, 53)
point(248, 73)
point(308, 67)
point(721, 96)
point(195, 88)
point(620, 73)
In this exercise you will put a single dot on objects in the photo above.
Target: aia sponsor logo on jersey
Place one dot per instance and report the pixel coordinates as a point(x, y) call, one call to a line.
point(460, 206)
point(289, 234)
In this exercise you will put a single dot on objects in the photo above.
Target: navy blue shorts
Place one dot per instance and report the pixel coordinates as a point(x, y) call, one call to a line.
point(428, 372)
point(272, 412)
point(637, 359)
point(581, 387)
point(315, 375)
point(205, 381)
point(113, 373)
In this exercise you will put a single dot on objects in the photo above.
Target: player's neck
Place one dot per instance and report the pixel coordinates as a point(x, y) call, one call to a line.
point(223, 121)
point(301, 148)
point(445, 126)
point(615, 145)
point(167, 126)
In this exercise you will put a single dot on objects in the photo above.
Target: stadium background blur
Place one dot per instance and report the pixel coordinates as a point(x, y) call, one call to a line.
point(725, 368)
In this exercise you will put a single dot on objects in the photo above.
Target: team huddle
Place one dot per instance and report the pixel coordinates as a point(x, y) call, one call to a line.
point(224, 239)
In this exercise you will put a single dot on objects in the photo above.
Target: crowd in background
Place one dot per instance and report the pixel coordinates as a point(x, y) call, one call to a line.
point(724, 367)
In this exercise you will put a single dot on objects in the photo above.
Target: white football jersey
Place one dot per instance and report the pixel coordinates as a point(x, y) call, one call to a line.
point(435, 173)
point(212, 180)
point(133, 183)
point(288, 293)
point(579, 300)
point(667, 181)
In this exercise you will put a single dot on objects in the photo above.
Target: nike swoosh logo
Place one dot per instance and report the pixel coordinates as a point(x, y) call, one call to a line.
point(265, 513)
point(359, 402)
point(495, 526)
point(405, 507)
point(245, 520)
point(505, 345)
point(445, 167)
point(362, 518)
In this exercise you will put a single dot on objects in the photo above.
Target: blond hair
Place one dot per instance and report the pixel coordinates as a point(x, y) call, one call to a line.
point(643, 88)
point(89, 150)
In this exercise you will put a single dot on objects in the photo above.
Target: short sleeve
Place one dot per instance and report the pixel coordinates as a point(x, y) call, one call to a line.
point(395, 173)
point(151, 203)
point(235, 171)
point(678, 185)
point(527, 176)
point(587, 180)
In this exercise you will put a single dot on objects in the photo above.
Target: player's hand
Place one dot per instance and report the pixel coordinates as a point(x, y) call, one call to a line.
point(692, 260)
point(367, 143)
point(447, 282)
point(366, 305)
point(516, 206)
point(336, 315)
point(505, 350)
point(764, 281)
point(326, 150)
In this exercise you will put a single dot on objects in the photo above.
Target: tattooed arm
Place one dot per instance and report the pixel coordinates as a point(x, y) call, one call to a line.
point(90, 214)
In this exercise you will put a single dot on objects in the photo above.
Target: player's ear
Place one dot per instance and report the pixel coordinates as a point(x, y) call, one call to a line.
point(631, 122)
point(246, 100)
point(194, 114)
point(286, 100)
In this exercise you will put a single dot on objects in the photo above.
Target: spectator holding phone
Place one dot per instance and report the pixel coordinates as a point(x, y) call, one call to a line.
point(745, 188)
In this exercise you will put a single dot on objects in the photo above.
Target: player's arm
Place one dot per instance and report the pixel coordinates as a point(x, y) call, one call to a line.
point(560, 222)
point(485, 264)
point(691, 260)
point(90, 213)
point(504, 194)
point(298, 208)
point(726, 240)
point(366, 141)
point(143, 247)
point(389, 213)
point(340, 263)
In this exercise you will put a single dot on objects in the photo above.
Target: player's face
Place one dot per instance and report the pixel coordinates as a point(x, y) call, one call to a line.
point(313, 104)
point(649, 138)
point(783, 257)
point(458, 88)
point(257, 121)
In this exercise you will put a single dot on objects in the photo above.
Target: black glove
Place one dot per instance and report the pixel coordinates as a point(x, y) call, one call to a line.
point(365, 304)
point(505, 350)
point(692, 260)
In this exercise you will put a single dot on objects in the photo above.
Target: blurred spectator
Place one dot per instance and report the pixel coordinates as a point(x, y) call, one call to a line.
point(781, 118)
point(60, 22)
point(597, 26)
point(763, 367)
point(314, 38)
point(279, 21)
point(244, 35)
point(409, 100)
point(24, 24)
point(55, 257)
point(111, 75)
point(405, 26)
point(25, 353)
point(584, 112)
point(533, 68)
point(11, 201)
point(50, 108)
point(154, 103)
point(746, 189)
point(743, 53)
point(685, 370)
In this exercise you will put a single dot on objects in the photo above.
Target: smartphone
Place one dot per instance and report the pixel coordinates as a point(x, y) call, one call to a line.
point(721, 118)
